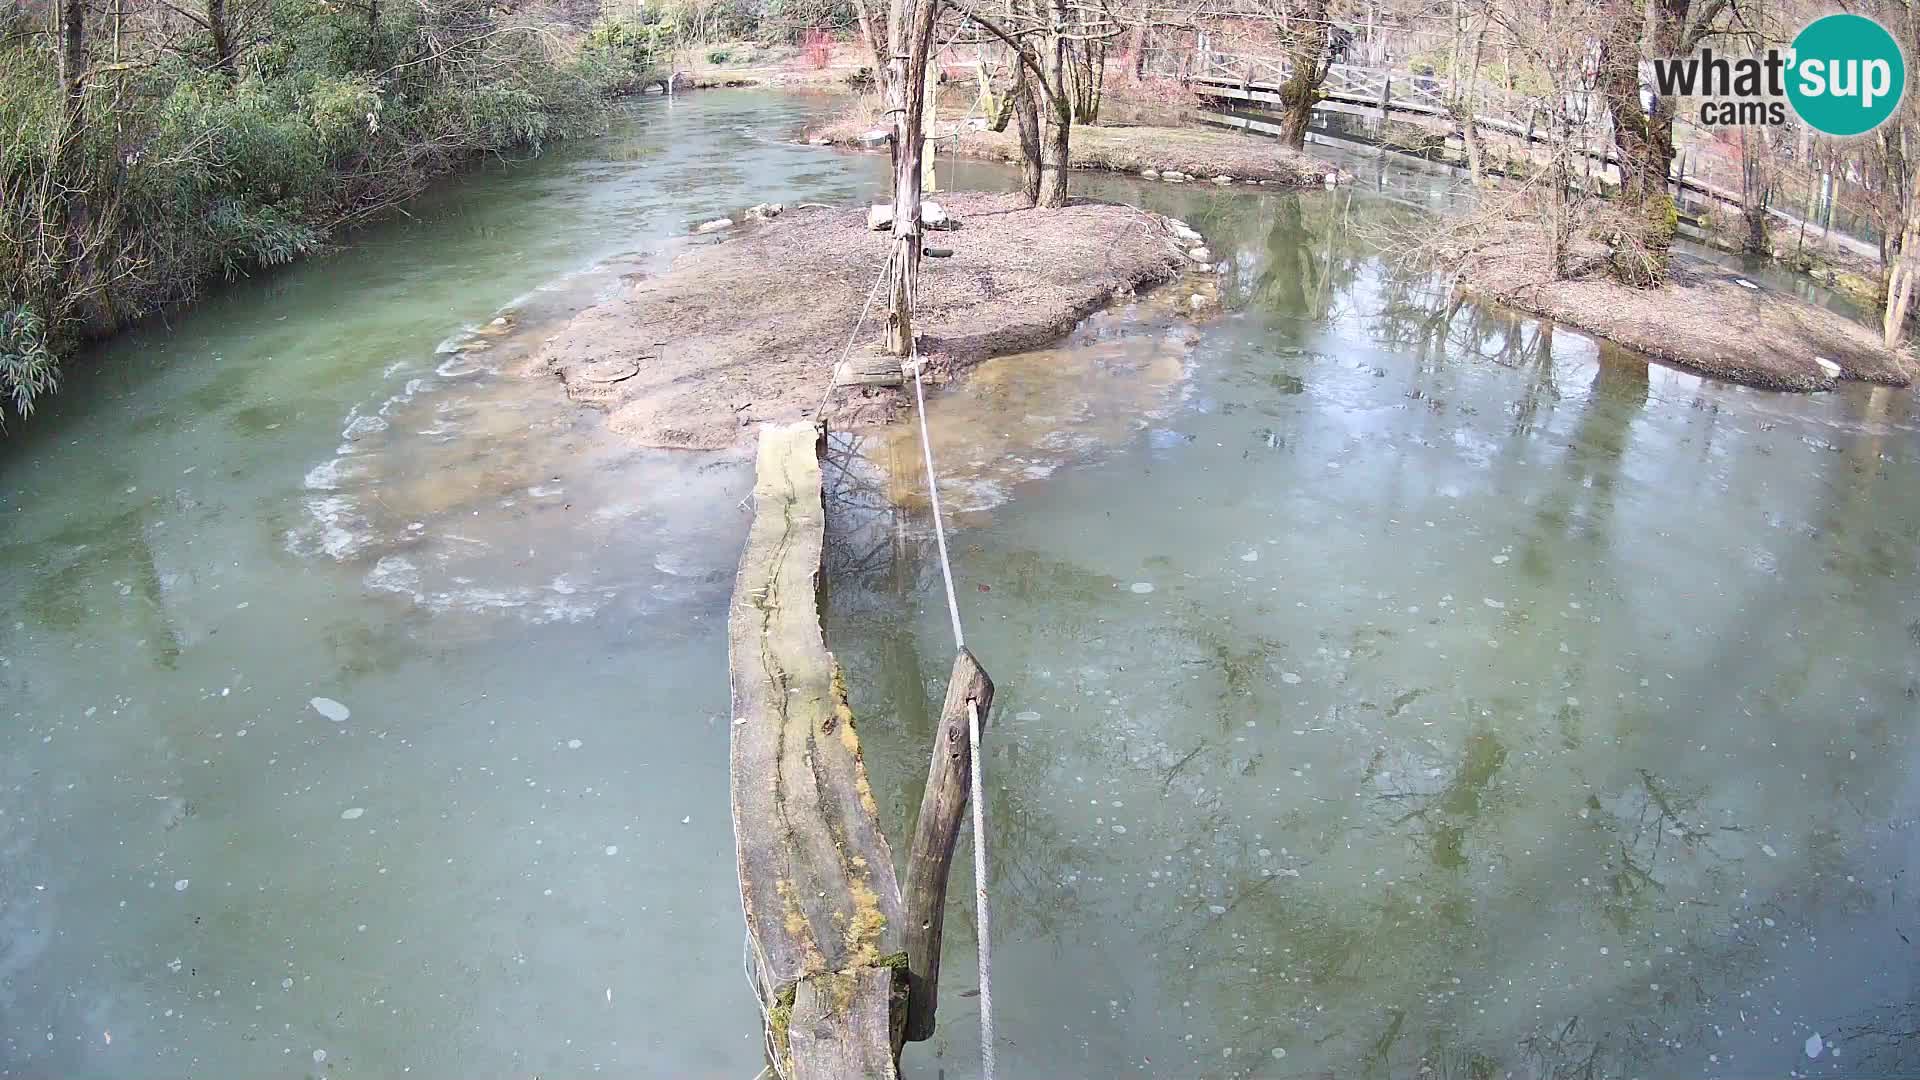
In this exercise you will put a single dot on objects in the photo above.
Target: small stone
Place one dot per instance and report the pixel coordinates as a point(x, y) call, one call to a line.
point(714, 226)
point(1142, 587)
point(880, 217)
point(1150, 174)
point(352, 813)
point(1290, 678)
point(319, 1057)
point(1201, 255)
point(1815, 1044)
point(1831, 369)
point(573, 744)
point(688, 820)
point(181, 885)
point(1173, 177)
point(613, 849)
point(1223, 179)
point(330, 709)
point(1198, 302)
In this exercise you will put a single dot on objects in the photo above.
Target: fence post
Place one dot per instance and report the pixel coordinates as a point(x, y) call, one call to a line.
point(942, 807)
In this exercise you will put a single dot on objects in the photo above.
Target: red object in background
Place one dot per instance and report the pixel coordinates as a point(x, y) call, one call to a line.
point(816, 45)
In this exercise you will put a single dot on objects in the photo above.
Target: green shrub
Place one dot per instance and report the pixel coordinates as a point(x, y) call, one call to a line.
point(178, 173)
point(27, 369)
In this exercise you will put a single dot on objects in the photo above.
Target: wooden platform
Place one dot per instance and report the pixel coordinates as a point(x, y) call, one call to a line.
point(817, 880)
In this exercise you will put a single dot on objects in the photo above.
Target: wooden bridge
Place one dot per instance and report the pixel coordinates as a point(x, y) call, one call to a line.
point(1384, 93)
point(1377, 92)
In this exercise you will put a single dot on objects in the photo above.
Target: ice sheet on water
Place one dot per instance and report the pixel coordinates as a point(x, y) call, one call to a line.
point(330, 709)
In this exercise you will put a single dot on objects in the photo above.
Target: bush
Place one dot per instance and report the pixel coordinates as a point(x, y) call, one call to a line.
point(718, 56)
point(27, 369)
point(177, 173)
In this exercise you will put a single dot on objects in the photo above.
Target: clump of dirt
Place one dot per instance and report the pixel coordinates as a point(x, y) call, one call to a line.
point(1705, 317)
point(1191, 153)
point(748, 330)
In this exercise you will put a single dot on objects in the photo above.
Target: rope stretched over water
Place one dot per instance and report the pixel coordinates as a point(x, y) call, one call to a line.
point(983, 939)
point(933, 495)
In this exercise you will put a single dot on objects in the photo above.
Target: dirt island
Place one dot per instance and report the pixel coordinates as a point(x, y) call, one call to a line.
point(748, 330)
point(1704, 317)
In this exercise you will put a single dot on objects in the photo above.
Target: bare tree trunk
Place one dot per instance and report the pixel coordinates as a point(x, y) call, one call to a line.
point(1755, 189)
point(1900, 279)
point(873, 36)
point(1469, 106)
point(1058, 113)
point(912, 36)
point(222, 36)
point(73, 54)
point(1619, 77)
point(1026, 114)
point(1310, 61)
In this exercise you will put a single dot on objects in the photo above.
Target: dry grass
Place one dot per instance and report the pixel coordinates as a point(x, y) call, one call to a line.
point(747, 331)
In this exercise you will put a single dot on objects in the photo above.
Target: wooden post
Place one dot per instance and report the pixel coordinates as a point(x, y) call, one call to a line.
point(928, 182)
point(942, 807)
point(1386, 92)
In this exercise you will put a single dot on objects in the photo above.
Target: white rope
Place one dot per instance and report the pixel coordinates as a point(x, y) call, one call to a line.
point(933, 494)
point(980, 895)
point(983, 937)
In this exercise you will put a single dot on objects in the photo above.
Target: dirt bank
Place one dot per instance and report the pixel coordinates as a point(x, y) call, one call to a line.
point(837, 66)
point(1706, 318)
point(747, 330)
point(1176, 154)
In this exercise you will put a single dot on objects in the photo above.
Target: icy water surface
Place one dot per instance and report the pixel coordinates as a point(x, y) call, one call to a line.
point(1411, 691)
point(1386, 689)
point(361, 704)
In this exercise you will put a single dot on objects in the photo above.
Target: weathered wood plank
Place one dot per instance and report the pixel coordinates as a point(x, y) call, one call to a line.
point(942, 807)
point(817, 883)
point(843, 1024)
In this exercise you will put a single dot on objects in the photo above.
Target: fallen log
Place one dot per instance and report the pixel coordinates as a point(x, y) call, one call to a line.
point(817, 880)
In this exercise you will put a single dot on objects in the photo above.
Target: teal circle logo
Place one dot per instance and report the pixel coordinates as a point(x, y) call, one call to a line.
point(1846, 75)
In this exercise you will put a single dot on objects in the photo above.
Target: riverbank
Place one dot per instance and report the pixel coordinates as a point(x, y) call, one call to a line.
point(831, 66)
point(1706, 318)
point(1173, 154)
point(748, 330)
point(133, 197)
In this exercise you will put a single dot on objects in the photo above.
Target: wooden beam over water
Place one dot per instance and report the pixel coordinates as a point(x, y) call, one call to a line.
point(817, 881)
